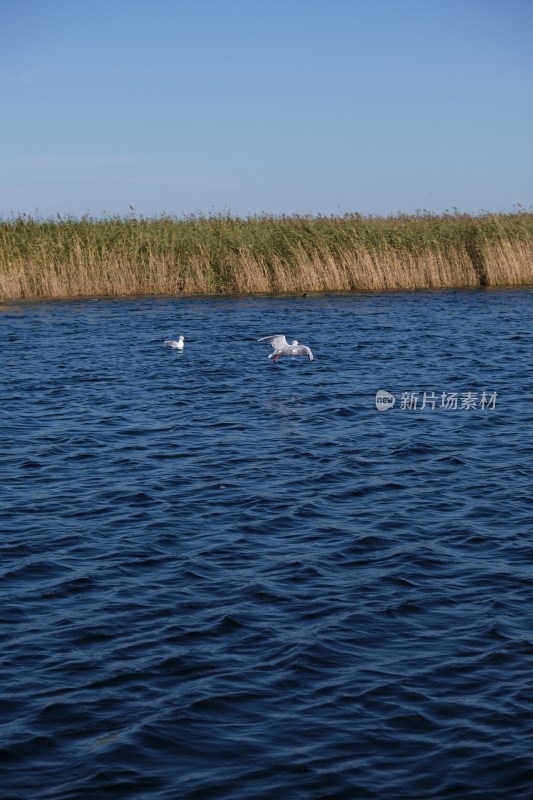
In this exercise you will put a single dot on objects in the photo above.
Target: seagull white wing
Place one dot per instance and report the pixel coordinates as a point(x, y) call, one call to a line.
point(303, 350)
point(278, 341)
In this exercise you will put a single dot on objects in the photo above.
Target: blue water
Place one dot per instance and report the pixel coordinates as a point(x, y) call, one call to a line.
point(223, 577)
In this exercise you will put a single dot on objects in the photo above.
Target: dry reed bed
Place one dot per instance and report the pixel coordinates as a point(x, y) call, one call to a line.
point(224, 254)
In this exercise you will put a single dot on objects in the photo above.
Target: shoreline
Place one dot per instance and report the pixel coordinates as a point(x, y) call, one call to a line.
point(8, 303)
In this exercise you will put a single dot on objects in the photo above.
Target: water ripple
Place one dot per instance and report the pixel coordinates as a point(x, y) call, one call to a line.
point(223, 577)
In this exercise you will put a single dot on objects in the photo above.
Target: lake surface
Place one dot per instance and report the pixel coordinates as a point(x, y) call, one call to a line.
point(224, 577)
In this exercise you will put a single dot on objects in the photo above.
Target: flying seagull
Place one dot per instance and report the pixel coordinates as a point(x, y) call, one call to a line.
point(283, 348)
point(177, 345)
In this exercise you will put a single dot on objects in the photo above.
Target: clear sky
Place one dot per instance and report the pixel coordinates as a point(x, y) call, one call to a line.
point(265, 106)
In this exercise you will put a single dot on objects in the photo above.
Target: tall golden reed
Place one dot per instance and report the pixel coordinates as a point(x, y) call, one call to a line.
point(68, 257)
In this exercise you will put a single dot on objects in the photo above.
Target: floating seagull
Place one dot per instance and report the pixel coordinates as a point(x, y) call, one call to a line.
point(177, 345)
point(283, 348)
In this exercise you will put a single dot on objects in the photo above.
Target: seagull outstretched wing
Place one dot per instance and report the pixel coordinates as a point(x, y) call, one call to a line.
point(302, 350)
point(278, 341)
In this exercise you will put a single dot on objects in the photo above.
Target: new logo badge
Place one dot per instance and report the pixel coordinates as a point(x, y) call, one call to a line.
point(384, 400)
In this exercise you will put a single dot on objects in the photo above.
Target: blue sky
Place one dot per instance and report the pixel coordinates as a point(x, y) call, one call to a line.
point(278, 107)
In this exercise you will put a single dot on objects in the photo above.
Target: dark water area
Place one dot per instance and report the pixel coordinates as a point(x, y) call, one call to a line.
point(224, 577)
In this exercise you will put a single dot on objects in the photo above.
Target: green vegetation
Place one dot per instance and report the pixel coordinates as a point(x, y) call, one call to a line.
point(68, 257)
